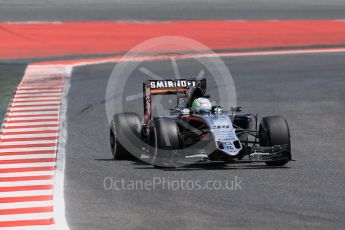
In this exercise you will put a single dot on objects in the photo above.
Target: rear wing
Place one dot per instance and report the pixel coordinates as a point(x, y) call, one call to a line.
point(160, 87)
point(167, 87)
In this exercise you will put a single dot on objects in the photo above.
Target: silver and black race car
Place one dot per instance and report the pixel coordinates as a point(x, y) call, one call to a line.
point(186, 137)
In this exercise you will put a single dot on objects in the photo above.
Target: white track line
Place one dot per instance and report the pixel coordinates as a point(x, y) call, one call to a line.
point(26, 183)
point(33, 123)
point(21, 174)
point(24, 142)
point(31, 95)
point(201, 55)
point(31, 216)
point(26, 165)
point(30, 128)
point(35, 99)
point(31, 204)
point(41, 90)
point(59, 201)
point(34, 103)
point(27, 156)
point(39, 227)
point(40, 87)
point(26, 193)
point(26, 149)
point(9, 136)
point(22, 122)
point(30, 118)
point(32, 113)
point(33, 107)
point(40, 83)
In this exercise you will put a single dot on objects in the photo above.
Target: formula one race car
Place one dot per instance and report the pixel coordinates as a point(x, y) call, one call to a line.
point(196, 131)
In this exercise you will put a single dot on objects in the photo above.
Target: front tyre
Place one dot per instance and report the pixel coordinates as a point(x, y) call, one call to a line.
point(274, 130)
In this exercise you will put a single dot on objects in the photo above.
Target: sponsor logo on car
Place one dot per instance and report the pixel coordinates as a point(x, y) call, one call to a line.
point(171, 84)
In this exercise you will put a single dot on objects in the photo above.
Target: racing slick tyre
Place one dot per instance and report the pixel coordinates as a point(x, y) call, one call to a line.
point(124, 127)
point(164, 141)
point(274, 130)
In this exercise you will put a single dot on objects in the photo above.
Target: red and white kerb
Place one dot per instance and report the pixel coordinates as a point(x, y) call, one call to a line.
point(28, 148)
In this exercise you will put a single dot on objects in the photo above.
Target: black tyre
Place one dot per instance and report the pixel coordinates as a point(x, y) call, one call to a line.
point(164, 139)
point(274, 130)
point(125, 128)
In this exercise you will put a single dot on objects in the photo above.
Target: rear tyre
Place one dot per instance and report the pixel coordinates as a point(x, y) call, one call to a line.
point(164, 141)
point(125, 127)
point(274, 130)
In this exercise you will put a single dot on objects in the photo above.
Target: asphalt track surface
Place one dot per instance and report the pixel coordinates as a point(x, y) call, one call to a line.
point(307, 194)
point(90, 10)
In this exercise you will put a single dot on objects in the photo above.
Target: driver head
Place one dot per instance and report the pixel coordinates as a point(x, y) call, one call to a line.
point(201, 105)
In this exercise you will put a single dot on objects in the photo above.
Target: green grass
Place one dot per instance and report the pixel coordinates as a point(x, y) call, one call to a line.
point(10, 76)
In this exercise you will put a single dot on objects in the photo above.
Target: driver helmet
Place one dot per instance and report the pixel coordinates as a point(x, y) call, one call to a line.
point(201, 105)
